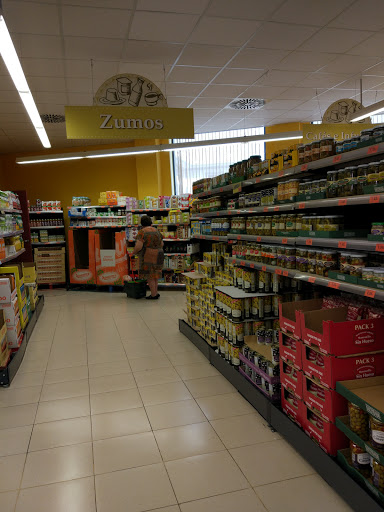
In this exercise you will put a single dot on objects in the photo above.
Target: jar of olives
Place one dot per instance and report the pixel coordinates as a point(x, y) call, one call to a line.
point(307, 153)
point(326, 147)
point(373, 173)
point(332, 184)
point(358, 421)
point(301, 154)
point(362, 178)
point(302, 259)
point(315, 150)
point(378, 475)
point(357, 262)
point(311, 261)
point(350, 176)
point(360, 459)
point(376, 434)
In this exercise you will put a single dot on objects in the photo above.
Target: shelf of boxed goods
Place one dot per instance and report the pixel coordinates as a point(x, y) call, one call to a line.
point(322, 163)
point(333, 284)
point(39, 212)
point(359, 244)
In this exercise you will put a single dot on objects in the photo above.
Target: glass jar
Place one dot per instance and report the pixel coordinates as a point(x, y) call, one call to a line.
point(283, 221)
point(254, 166)
point(319, 223)
point(381, 171)
point(302, 259)
point(368, 274)
point(378, 131)
point(339, 147)
point(323, 185)
point(341, 181)
point(319, 263)
point(362, 178)
point(290, 257)
point(354, 141)
point(376, 433)
point(350, 177)
point(307, 153)
point(327, 147)
point(329, 259)
point(311, 261)
point(344, 262)
point(299, 221)
point(358, 261)
point(373, 173)
point(292, 189)
point(302, 188)
point(244, 169)
point(378, 275)
point(333, 222)
point(360, 459)
point(301, 154)
point(365, 135)
point(346, 145)
point(332, 184)
point(315, 150)
point(308, 187)
point(377, 475)
point(377, 228)
point(315, 186)
point(290, 224)
point(358, 421)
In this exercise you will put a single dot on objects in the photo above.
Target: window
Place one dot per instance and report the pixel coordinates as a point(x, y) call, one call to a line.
point(206, 162)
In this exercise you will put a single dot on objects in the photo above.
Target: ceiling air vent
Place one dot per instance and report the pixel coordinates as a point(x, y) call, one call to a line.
point(247, 104)
point(52, 118)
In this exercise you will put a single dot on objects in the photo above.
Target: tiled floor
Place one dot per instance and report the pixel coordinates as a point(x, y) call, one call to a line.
point(114, 410)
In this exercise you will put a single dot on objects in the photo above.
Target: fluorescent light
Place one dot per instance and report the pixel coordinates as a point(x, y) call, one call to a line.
point(103, 153)
point(12, 62)
point(373, 109)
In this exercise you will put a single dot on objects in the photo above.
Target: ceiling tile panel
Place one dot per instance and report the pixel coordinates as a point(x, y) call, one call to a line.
point(361, 15)
point(93, 48)
point(12, 108)
point(31, 18)
point(350, 64)
point(267, 93)
point(369, 82)
point(40, 47)
point(323, 80)
point(180, 6)
point(253, 58)
point(286, 78)
point(305, 61)
point(281, 36)
point(179, 101)
point(81, 85)
point(282, 104)
point(183, 89)
point(204, 112)
point(78, 68)
point(47, 83)
point(299, 93)
point(310, 13)
point(244, 9)
point(80, 98)
point(6, 83)
point(211, 102)
point(373, 46)
point(86, 22)
point(223, 31)
point(56, 98)
point(334, 40)
point(223, 91)
point(112, 4)
point(197, 75)
point(153, 26)
point(205, 55)
point(149, 52)
point(43, 67)
point(234, 76)
point(9, 96)
point(156, 73)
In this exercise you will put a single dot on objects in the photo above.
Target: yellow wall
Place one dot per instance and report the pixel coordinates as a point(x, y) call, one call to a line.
point(274, 147)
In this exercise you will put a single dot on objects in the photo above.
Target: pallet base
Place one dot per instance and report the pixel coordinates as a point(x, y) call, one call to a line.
point(8, 373)
point(327, 467)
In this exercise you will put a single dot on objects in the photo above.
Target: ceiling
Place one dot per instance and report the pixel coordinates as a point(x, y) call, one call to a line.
point(298, 55)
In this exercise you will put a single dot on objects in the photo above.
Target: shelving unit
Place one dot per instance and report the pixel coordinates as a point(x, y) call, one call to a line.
point(12, 256)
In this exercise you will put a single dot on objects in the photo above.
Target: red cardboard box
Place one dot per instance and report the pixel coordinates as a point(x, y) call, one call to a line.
point(287, 373)
point(294, 409)
point(335, 369)
point(289, 314)
point(290, 350)
point(323, 432)
point(326, 402)
point(329, 330)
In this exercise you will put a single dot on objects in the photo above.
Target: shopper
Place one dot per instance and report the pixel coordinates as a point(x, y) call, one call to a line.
point(149, 247)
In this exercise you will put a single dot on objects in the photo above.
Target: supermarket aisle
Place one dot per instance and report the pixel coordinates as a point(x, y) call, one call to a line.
point(114, 410)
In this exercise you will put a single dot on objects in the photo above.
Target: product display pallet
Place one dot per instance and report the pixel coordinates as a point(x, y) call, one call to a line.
point(327, 467)
point(7, 374)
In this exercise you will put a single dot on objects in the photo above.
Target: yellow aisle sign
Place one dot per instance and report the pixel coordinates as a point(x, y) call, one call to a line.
point(109, 122)
point(343, 131)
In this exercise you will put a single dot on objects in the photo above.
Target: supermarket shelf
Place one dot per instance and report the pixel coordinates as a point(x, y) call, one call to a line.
point(176, 239)
point(97, 206)
point(299, 205)
point(314, 279)
point(48, 243)
point(141, 210)
point(265, 239)
point(12, 256)
point(37, 212)
point(7, 374)
point(172, 285)
point(180, 253)
point(323, 163)
point(12, 233)
point(361, 244)
point(46, 227)
point(357, 498)
point(211, 237)
point(10, 210)
point(98, 226)
point(236, 293)
point(155, 225)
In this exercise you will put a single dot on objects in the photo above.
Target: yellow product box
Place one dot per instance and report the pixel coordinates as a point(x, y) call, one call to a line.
point(29, 272)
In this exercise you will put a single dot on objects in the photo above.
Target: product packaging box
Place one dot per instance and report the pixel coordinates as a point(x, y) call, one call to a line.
point(329, 330)
point(291, 378)
point(326, 402)
point(81, 256)
point(14, 335)
point(323, 432)
point(110, 257)
point(290, 350)
point(328, 369)
point(5, 351)
point(29, 272)
point(11, 312)
point(293, 406)
point(289, 315)
point(368, 394)
point(8, 291)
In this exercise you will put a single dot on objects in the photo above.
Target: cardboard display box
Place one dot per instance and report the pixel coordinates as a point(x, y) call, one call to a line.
point(287, 373)
point(290, 350)
point(81, 256)
point(323, 432)
point(11, 312)
point(110, 257)
point(326, 402)
point(29, 272)
point(13, 334)
point(8, 291)
point(289, 315)
point(294, 409)
point(16, 270)
point(368, 394)
point(329, 330)
point(269, 352)
point(333, 369)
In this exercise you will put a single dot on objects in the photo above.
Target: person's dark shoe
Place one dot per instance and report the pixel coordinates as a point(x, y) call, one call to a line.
point(153, 298)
